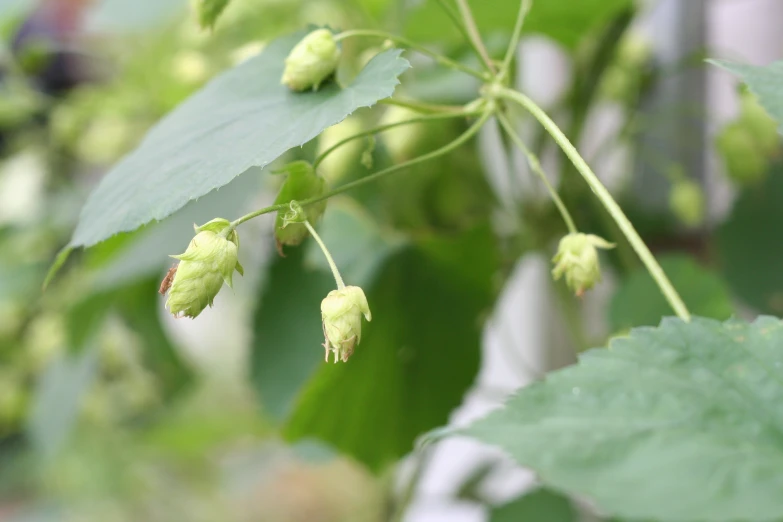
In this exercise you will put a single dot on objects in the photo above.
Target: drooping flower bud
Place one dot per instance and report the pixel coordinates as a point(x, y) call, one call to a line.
point(208, 262)
point(577, 259)
point(341, 312)
point(311, 61)
point(302, 183)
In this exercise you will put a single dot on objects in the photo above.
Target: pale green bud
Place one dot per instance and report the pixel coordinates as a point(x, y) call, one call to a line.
point(302, 183)
point(577, 259)
point(311, 61)
point(341, 312)
point(686, 200)
point(208, 262)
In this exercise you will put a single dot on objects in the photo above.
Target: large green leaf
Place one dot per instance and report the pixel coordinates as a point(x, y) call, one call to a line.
point(639, 302)
point(764, 82)
point(565, 21)
point(750, 245)
point(243, 118)
point(417, 357)
point(682, 422)
point(541, 505)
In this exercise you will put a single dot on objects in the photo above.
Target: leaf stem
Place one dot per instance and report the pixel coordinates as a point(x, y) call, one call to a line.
point(443, 60)
point(463, 138)
point(535, 165)
point(524, 8)
point(474, 36)
point(381, 128)
point(458, 23)
point(335, 272)
point(606, 199)
point(426, 108)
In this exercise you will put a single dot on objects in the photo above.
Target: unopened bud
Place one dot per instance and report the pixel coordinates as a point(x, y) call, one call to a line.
point(577, 260)
point(311, 61)
point(686, 200)
point(341, 312)
point(302, 183)
point(208, 262)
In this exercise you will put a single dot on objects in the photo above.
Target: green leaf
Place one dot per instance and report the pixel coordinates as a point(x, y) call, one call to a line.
point(679, 423)
point(764, 82)
point(241, 119)
point(565, 21)
point(417, 357)
point(541, 505)
point(750, 245)
point(209, 11)
point(639, 302)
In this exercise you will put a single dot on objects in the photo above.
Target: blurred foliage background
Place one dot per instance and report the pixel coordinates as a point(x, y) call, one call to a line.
point(111, 410)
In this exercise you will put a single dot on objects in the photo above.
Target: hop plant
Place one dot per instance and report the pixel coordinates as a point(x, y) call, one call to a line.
point(577, 260)
point(341, 312)
point(311, 61)
point(302, 183)
point(208, 262)
point(686, 201)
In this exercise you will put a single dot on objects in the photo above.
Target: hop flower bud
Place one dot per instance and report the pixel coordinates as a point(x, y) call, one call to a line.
point(311, 61)
point(208, 262)
point(302, 183)
point(577, 259)
point(686, 200)
point(341, 311)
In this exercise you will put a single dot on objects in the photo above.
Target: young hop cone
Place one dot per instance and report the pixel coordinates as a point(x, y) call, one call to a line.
point(577, 259)
point(341, 312)
point(686, 201)
point(208, 262)
point(311, 61)
point(302, 183)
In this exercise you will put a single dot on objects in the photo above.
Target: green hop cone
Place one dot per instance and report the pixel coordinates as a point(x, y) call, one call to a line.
point(577, 260)
point(311, 61)
point(208, 262)
point(302, 183)
point(686, 201)
point(341, 312)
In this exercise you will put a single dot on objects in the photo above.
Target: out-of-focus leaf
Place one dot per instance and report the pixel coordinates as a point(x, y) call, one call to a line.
point(565, 21)
point(639, 302)
point(764, 82)
point(287, 331)
point(57, 400)
point(750, 245)
point(417, 357)
point(241, 119)
point(541, 505)
point(679, 423)
point(209, 11)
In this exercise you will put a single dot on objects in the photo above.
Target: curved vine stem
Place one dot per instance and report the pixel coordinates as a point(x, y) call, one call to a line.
point(451, 13)
point(424, 108)
point(443, 60)
point(459, 141)
point(606, 199)
point(524, 8)
point(535, 165)
point(381, 128)
point(474, 35)
point(335, 272)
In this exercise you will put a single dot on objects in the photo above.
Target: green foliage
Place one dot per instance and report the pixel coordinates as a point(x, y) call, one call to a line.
point(672, 423)
point(764, 82)
point(541, 505)
point(243, 118)
point(750, 236)
point(564, 21)
point(209, 11)
point(638, 302)
point(426, 320)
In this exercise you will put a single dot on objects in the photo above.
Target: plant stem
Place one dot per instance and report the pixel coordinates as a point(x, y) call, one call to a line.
point(536, 166)
point(458, 23)
point(425, 108)
point(463, 138)
point(443, 60)
point(606, 199)
point(524, 8)
point(381, 128)
point(474, 35)
point(336, 273)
